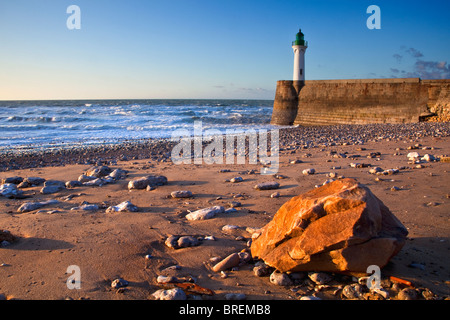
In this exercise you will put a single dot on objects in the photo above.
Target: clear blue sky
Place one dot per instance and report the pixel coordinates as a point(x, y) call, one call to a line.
point(210, 49)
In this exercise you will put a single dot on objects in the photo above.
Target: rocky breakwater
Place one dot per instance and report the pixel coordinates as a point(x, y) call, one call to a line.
point(339, 227)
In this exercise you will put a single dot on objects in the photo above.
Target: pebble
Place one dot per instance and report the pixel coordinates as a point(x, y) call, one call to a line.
point(31, 206)
point(407, 294)
point(181, 194)
point(97, 182)
point(206, 213)
point(124, 206)
point(143, 182)
point(84, 178)
point(412, 156)
point(170, 294)
point(53, 186)
point(166, 279)
point(261, 270)
point(34, 181)
point(172, 241)
point(236, 179)
point(187, 241)
point(229, 228)
point(275, 195)
point(280, 279)
point(310, 298)
point(119, 283)
point(352, 291)
point(118, 174)
point(309, 171)
point(320, 277)
point(72, 184)
point(229, 262)
point(267, 185)
point(86, 207)
point(235, 204)
point(375, 170)
point(13, 180)
point(9, 190)
point(178, 242)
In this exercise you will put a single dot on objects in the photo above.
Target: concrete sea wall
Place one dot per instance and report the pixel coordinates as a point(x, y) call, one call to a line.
point(359, 101)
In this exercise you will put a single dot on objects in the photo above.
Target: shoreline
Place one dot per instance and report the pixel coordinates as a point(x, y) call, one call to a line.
point(157, 149)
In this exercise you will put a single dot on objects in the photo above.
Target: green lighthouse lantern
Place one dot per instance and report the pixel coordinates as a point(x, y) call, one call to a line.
point(300, 39)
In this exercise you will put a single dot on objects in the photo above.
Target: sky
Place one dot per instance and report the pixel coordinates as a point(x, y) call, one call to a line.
point(197, 49)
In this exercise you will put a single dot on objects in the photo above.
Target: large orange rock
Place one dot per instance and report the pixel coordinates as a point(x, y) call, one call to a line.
point(339, 227)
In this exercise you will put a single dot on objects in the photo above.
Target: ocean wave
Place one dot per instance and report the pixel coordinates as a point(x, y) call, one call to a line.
point(72, 121)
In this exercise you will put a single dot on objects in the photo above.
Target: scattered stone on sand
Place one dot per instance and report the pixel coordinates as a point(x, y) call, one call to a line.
point(181, 194)
point(143, 182)
point(84, 178)
point(187, 241)
point(169, 294)
point(118, 174)
point(267, 185)
point(275, 195)
point(413, 156)
point(119, 283)
point(309, 171)
point(124, 206)
point(229, 262)
point(86, 207)
point(236, 179)
point(339, 227)
point(98, 171)
point(97, 182)
point(73, 184)
point(10, 190)
point(206, 213)
point(31, 206)
point(31, 182)
point(359, 165)
point(352, 291)
point(320, 277)
point(179, 241)
point(234, 204)
point(408, 294)
point(229, 228)
point(280, 279)
point(14, 180)
point(34, 181)
point(310, 298)
point(375, 170)
point(261, 269)
point(53, 186)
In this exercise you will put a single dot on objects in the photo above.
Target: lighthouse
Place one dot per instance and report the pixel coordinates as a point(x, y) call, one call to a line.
point(299, 46)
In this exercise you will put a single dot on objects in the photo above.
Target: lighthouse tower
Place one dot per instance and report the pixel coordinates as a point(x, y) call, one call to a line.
point(299, 46)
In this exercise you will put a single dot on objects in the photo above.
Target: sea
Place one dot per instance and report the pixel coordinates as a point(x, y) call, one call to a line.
point(30, 125)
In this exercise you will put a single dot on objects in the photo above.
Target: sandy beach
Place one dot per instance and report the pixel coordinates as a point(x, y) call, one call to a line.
point(131, 245)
